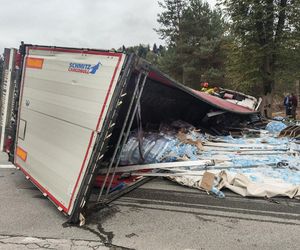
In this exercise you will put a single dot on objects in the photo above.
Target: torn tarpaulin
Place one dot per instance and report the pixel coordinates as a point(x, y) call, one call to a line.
point(258, 182)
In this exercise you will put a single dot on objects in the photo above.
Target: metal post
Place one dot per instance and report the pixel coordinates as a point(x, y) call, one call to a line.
point(128, 131)
point(121, 135)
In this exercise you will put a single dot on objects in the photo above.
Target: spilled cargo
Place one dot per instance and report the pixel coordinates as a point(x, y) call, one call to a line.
point(264, 166)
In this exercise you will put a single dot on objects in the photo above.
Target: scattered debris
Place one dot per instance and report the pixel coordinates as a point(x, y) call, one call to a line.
point(266, 164)
point(291, 131)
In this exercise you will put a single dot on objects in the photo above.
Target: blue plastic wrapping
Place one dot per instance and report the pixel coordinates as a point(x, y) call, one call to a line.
point(275, 126)
point(258, 175)
point(278, 118)
point(156, 148)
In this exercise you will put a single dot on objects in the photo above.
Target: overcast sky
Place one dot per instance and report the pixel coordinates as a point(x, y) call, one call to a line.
point(103, 24)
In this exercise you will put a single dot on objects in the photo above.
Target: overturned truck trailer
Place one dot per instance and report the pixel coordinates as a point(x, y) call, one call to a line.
point(76, 108)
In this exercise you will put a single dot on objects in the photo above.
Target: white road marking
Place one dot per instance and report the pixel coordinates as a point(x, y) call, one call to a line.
point(7, 166)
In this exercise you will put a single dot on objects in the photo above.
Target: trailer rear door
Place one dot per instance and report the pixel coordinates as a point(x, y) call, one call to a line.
point(65, 94)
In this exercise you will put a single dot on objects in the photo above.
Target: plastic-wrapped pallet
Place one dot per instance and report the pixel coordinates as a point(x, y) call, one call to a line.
point(156, 147)
point(275, 127)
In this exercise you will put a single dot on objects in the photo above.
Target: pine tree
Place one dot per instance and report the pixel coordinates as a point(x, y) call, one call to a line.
point(154, 48)
point(193, 33)
point(170, 20)
point(261, 30)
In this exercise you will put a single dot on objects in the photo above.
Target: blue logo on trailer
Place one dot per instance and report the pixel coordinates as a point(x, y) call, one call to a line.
point(84, 68)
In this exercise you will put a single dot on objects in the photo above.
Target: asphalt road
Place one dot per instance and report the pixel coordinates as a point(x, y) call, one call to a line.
point(163, 215)
point(158, 215)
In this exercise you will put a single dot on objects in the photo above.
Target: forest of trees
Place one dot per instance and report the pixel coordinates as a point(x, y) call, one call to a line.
point(247, 45)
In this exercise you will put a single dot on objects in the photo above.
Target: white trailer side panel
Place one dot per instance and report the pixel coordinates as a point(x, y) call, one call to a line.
point(64, 100)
